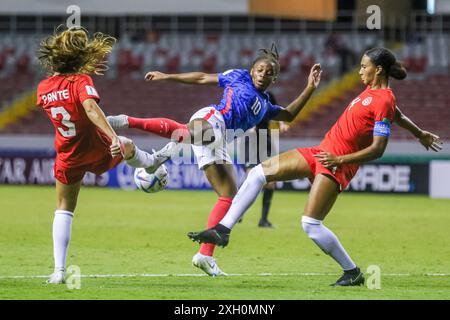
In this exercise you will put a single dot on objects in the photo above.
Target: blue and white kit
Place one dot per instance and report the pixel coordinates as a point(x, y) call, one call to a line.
point(242, 107)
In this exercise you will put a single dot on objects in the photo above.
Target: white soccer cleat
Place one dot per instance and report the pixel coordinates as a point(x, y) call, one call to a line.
point(118, 122)
point(57, 277)
point(162, 156)
point(207, 264)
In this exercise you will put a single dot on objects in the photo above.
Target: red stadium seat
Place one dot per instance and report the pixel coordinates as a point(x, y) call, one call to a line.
point(420, 96)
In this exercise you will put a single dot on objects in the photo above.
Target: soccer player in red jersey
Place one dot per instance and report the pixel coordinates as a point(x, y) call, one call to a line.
point(84, 140)
point(359, 135)
point(244, 104)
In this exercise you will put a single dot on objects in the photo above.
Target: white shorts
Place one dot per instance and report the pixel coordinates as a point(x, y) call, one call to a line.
point(255, 147)
point(215, 151)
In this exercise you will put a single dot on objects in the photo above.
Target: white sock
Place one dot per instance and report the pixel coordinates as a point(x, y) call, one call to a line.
point(141, 159)
point(62, 229)
point(245, 197)
point(327, 241)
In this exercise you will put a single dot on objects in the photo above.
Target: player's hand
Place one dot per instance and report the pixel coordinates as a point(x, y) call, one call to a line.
point(155, 76)
point(283, 127)
point(314, 76)
point(328, 159)
point(116, 147)
point(430, 141)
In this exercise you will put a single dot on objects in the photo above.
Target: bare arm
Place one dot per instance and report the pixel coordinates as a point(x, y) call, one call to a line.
point(372, 152)
point(97, 117)
point(283, 127)
point(189, 77)
point(427, 139)
point(406, 123)
point(289, 113)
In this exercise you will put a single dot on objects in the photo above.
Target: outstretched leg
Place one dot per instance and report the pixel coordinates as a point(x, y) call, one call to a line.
point(163, 127)
point(197, 131)
point(286, 166)
point(137, 158)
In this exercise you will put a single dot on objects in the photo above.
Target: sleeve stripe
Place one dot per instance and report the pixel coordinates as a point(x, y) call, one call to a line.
point(228, 105)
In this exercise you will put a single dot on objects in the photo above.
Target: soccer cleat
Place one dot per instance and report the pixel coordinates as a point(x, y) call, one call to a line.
point(352, 277)
point(264, 224)
point(218, 235)
point(118, 122)
point(162, 156)
point(207, 264)
point(57, 277)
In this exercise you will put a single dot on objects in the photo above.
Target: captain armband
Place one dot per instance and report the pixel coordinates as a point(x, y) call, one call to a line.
point(382, 128)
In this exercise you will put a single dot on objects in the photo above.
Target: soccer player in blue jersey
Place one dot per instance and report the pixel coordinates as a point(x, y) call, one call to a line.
point(244, 105)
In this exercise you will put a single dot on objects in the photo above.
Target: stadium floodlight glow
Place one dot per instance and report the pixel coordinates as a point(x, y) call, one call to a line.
point(431, 6)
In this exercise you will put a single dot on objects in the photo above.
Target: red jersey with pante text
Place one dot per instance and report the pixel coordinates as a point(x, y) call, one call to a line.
point(77, 140)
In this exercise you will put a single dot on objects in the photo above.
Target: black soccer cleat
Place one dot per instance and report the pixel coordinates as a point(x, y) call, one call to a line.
point(264, 224)
point(218, 235)
point(352, 277)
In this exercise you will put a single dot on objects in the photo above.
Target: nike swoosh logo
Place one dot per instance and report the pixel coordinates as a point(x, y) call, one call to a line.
point(218, 235)
point(351, 280)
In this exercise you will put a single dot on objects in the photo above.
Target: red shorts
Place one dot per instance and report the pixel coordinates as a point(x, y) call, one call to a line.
point(73, 174)
point(341, 174)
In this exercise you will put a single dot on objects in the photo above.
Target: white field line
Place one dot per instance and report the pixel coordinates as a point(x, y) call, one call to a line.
point(160, 275)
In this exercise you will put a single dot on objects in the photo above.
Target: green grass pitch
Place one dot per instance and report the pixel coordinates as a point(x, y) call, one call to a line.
point(120, 236)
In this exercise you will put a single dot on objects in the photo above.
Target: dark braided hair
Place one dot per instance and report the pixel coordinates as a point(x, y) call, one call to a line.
point(269, 55)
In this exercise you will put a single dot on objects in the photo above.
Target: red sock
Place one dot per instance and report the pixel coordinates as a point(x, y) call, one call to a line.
point(217, 213)
point(160, 126)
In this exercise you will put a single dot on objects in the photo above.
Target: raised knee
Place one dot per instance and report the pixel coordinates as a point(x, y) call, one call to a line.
point(310, 226)
point(201, 132)
point(257, 174)
point(227, 189)
point(230, 193)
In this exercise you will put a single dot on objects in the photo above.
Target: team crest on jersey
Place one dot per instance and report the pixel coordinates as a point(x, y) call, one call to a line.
point(366, 101)
point(91, 91)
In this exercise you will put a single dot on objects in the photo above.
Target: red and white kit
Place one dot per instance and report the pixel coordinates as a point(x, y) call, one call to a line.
point(80, 145)
point(353, 131)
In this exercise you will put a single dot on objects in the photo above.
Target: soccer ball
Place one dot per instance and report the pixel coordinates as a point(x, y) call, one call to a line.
point(151, 183)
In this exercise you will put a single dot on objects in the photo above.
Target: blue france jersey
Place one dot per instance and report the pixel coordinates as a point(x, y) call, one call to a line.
point(242, 105)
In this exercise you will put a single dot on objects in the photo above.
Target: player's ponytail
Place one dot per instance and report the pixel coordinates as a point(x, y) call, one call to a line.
point(397, 71)
point(73, 51)
point(270, 55)
point(386, 59)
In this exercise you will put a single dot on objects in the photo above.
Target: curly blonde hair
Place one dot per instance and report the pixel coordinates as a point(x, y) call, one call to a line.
point(72, 51)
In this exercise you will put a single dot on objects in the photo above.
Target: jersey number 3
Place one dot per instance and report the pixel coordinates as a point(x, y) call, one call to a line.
point(70, 132)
